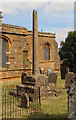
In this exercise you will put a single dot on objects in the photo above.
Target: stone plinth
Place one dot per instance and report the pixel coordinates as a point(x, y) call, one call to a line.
point(34, 81)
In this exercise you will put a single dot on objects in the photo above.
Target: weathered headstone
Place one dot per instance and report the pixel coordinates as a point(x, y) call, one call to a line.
point(72, 99)
point(63, 71)
point(68, 79)
point(23, 76)
point(49, 70)
point(52, 78)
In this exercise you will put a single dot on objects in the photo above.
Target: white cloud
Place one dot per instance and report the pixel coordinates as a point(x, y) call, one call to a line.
point(38, 0)
point(57, 7)
point(63, 0)
point(62, 33)
point(25, 0)
point(12, 7)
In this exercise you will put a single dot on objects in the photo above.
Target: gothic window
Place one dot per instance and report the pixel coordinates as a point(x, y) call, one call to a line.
point(46, 52)
point(4, 42)
point(5, 51)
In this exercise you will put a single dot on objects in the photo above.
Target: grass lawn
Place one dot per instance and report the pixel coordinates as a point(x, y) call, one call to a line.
point(54, 107)
point(51, 107)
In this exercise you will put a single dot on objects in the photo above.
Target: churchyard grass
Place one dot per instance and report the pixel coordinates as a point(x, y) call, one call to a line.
point(54, 108)
point(51, 107)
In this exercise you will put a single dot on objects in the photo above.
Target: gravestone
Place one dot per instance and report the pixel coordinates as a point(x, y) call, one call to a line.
point(72, 99)
point(68, 79)
point(40, 70)
point(49, 70)
point(63, 71)
point(52, 78)
point(23, 76)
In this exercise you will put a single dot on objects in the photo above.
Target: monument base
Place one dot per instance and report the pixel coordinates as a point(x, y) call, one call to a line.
point(41, 81)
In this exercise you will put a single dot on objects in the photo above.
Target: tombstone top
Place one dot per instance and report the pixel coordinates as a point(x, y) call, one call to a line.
point(49, 70)
point(52, 78)
point(68, 79)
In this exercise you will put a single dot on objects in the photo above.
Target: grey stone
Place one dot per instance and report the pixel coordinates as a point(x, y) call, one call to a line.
point(23, 76)
point(68, 79)
point(52, 78)
point(64, 71)
point(72, 98)
point(49, 71)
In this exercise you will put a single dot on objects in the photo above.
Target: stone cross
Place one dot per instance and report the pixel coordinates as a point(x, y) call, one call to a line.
point(35, 44)
point(1, 40)
point(0, 63)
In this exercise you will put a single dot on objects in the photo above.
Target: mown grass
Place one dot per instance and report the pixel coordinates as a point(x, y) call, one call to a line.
point(54, 107)
point(51, 107)
point(10, 84)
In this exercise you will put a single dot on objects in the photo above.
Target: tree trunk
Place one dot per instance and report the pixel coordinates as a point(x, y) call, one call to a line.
point(74, 69)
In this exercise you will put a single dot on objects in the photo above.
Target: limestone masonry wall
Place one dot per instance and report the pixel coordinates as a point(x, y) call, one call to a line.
point(18, 38)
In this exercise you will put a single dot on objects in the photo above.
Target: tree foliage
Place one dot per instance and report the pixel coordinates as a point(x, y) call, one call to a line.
point(67, 51)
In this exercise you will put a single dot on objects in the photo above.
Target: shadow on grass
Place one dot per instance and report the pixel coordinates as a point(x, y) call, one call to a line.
point(43, 116)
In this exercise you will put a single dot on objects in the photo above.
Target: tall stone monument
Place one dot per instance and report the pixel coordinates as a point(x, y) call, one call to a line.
point(0, 63)
point(36, 80)
point(0, 40)
point(35, 44)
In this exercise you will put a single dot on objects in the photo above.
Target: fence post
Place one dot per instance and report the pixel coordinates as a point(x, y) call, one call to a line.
point(39, 98)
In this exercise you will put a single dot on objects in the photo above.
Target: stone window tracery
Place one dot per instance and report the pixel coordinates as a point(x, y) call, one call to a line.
point(47, 51)
point(5, 52)
point(4, 43)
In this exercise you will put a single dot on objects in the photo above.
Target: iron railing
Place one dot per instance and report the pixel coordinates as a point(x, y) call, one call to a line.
point(12, 105)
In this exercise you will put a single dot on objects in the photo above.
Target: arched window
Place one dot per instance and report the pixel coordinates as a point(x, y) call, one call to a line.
point(46, 51)
point(5, 51)
point(4, 44)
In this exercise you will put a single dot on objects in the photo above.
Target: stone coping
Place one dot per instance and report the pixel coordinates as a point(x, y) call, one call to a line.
point(14, 70)
point(15, 33)
point(29, 32)
point(43, 34)
point(13, 26)
point(46, 61)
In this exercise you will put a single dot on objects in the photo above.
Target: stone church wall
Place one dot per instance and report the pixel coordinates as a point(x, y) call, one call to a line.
point(18, 38)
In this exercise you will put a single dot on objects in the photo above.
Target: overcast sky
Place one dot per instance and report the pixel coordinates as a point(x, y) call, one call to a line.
point(54, 16)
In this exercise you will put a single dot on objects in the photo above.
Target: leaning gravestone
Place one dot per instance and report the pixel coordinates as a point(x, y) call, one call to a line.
point(49, 70)
point(68, 79)
point(52, 78)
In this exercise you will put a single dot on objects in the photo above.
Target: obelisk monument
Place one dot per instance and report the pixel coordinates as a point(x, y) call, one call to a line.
point(1, 40)
point(0, 65)
point(35, 67)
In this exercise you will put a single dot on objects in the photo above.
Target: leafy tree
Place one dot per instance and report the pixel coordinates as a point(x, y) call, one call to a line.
point(67, 51)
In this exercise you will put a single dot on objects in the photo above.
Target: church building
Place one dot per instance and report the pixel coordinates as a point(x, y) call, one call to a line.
point(17, 49)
